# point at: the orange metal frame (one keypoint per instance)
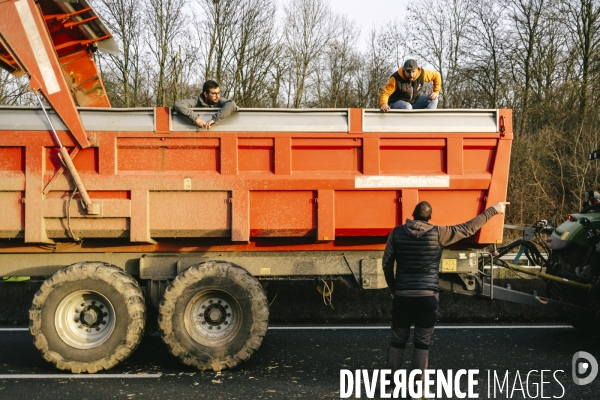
(254, 191)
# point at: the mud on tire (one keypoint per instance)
(87, 317)
(214, 315)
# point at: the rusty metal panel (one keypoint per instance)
(104, 228)
(256, 155)
(453, 206)
(340, 155)
(190, 214)
(168, 154)
(366, 212)
(12, 223)
(109, 208)
(412, 156)
(283, 213)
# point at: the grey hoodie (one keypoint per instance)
(183, 107)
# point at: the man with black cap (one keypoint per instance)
(405, 87)
(416, 250)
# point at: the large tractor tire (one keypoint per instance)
(214, 315)
(88, 317)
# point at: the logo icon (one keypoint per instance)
(584, 364)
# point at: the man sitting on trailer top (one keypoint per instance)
(209, 98)
(405, 87)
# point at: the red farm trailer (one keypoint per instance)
(153, 212)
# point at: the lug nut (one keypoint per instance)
(88, 330)
(226, 323)
(203, 322)
(218, 327)
(101, 306)
(219, 301)
(76, 319)
(226, 306)
(203, 306)
(103, 322)
(97, 329)
(210, 301)
(229, 314)
(94, 302)
(105, 314)
(210, 327)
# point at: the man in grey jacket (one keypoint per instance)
(209, 98)
(416, 250)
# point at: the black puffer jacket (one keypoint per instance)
(417, 253)
(416, 249)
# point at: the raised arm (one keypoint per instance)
(454, 233)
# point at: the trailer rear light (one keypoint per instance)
(572, 218)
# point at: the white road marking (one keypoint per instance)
(466, 327)
(365, 327)
(79, 376)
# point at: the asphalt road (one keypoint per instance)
(305, 363)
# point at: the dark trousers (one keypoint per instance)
(406, 311)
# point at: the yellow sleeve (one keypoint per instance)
(387, 91)
(435, 77)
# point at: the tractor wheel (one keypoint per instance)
(87, 317)
(214, 315)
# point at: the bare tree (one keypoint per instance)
(166, 24)
(438, 35)
(309, 25)
(14, 91)
(215, 32)
(582, 19)
(337, 70)
(528, 17)
(254, 52)
(378, 63)
(124, 20)
(486, 36)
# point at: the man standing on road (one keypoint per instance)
(404, 89)
(416, 249)
(210, 97)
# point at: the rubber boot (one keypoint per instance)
(394, 358)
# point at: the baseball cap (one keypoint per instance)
(409, 65)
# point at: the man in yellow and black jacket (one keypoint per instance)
(405, 87)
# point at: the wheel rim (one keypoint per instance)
(213, 317)
(85, 319)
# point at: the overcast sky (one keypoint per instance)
(368, 13)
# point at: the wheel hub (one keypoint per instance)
(84, 319)
(215, 314)
(213, 317)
